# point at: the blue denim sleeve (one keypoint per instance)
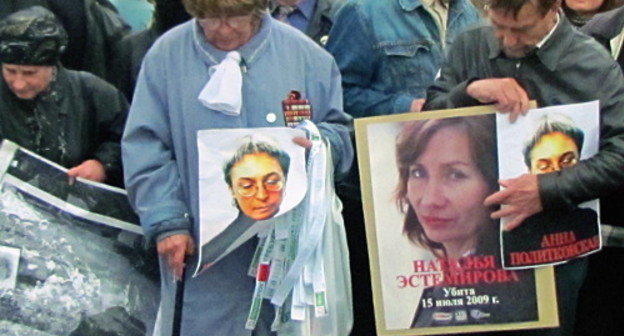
(352, 43)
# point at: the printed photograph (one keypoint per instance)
(83, 269)
(247, 178)
(553, 139)
(435, 250)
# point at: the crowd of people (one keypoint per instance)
(71, 67)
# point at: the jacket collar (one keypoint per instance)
(554, 49)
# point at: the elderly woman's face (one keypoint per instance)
(446, 189)
(27, 81)
(229, 33)
(258, 185)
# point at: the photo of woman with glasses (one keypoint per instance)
(256, 176)
(246, 182)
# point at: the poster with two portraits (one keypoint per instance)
(439, 263)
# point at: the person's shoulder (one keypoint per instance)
(469, 12)
(84, 76)
(374, 6)
(366, 9)
(332, 6)
(479, 32)
(605, 25)
(145, 36)
(582, 48)
(137, 42)
(295, 41)
(89, 82)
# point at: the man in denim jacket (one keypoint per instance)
(388, 53)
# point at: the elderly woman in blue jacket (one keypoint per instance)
(229, 67)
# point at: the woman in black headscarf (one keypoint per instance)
(72, 118)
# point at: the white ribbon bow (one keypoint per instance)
(223, 92)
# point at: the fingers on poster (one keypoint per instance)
(550, 140)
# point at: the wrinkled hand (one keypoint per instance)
(91, 170)
(417, 105)
(520, 197)
(303, 142)
(505, 93)
(174, 249)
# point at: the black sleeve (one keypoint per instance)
(111, 110)
(449, 89)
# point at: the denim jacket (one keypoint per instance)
(390, 51)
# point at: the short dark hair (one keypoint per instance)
(514, 6)
(412, 142)
(254, 147)
(551, 123)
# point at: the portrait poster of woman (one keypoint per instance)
(248, 178)
(434, 250)
(547, 141)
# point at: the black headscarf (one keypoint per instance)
(32, 36)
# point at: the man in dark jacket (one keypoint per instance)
(72, 118)
(600, 308)
(530, 51)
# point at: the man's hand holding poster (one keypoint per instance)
(547, 141)
(435, 252)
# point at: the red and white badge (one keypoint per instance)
(296, 109)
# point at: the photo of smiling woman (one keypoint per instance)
(447, 167)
